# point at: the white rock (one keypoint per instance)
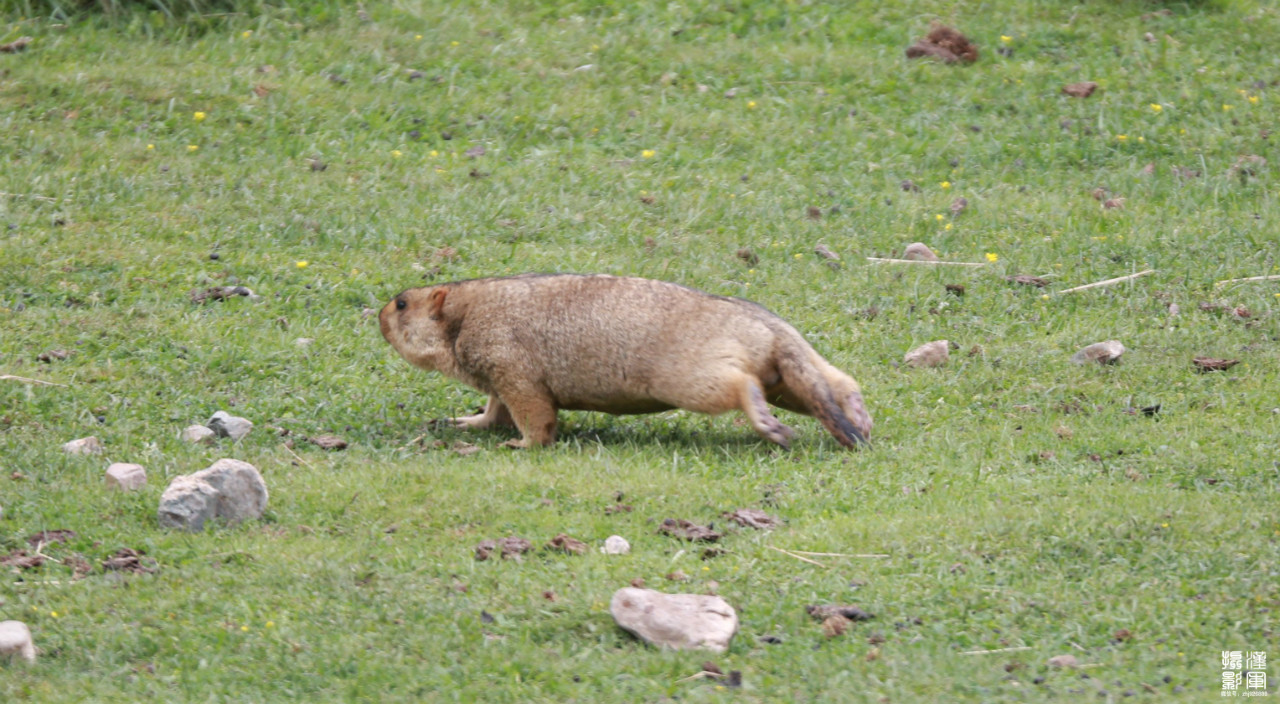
(229, 426)
(126, 477)
(680, 621)
(1064, 661)
(304, 341)
(1101, 352)
(84, 446)
(930, 354)
(919, 251)
(15, 639)
(229, 489)
(616, 545)
(199, 434)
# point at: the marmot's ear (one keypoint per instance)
(435, 302)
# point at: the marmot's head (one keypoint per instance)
(413, 323)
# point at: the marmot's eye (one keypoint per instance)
(400, 304)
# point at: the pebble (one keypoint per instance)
(1101, 352)
(84, 446)
(15, 639)
(229, 426)
(930, 354)
(126, 477)
(920, 252)
(199, 434)
(616, 545)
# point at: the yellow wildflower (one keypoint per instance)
(945, 185)
(1253, 99)
(1122, 137)
(247, 33)
(397, 153)
(199, 116)
(993, 257)
(1226, 107)
(453, 43)
(303, 264)
(192, 147)
(1006, 38)
(1156, 107)
(948, 226)
(417, 36)
(150, 147)
(245, 629)
(939, 217)
(648, 153)
(751, 103)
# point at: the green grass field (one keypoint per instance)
(328, 161)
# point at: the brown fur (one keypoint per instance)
(540, 343)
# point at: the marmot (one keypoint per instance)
(537, 343)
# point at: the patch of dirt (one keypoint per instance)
(1026, 280)
(567, 544)
(129, 560)
(510, 548)
(618, 508)
(688, 530)
(823, 612)
(218, 293)
(835, 625)
(958, 205)
(19, 559)
(328, 442)
(1212, 364)
(51, 355)
(945, 43)
(748, 256)
(49, 537)
(754, 518)
(13, 47)
(1082, 89)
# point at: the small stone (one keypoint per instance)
(15, 640)
(229, 489)
(679, 621)
(126, 477)
(304, 341)
(616, 545)
(1064, 661)
(919, 252)
(930, 354)
(229, 426)
(199, 434)
(1101, 352)
(84, 446)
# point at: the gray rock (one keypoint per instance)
(616, 545)
(229, 489)
(15, 640)
(84, 446)
(920, 252)
(229, 426)
(679, 621)
(126, 477)
(1101, 352)
(930, 354)
(199, 434)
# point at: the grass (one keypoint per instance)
(1020, 503)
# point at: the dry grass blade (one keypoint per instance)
(10, 377)
(883, 260)
(798, 557)
(1109, 282)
